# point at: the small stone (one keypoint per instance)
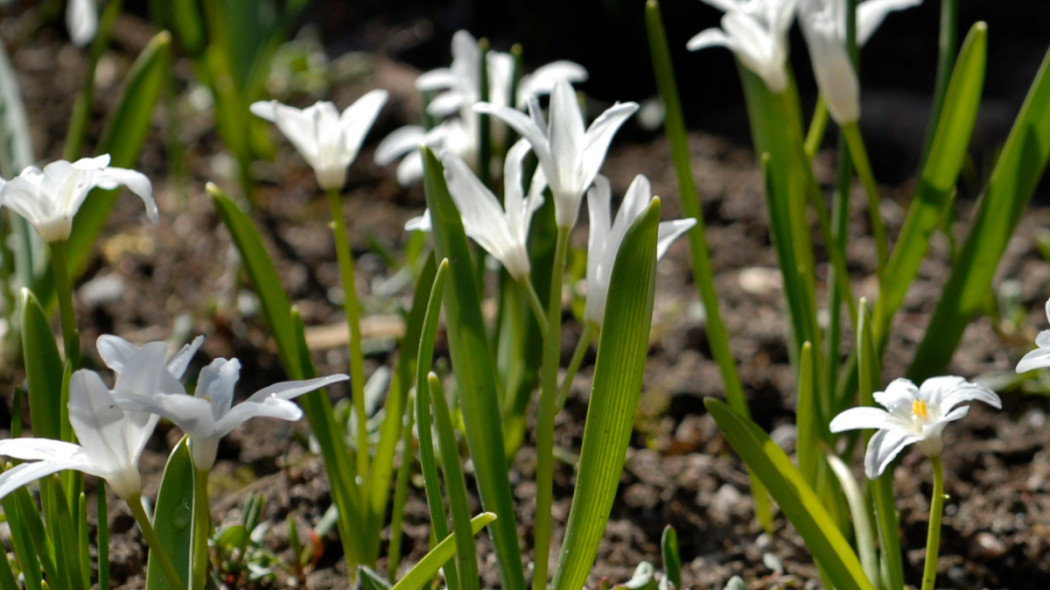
(727, 498)
(987, 546)
(102, 290)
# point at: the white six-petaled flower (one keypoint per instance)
(111, 438)
(501, 231)
(824, 26)
(209, 414)
(49, 199)
(327, 140)
(756, 31)
(570, 155)
(912, 415)
(1040, 357)
(606, 236)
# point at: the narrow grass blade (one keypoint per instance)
(858, 510)
(881, 487)
(798, 501)
(806, 420)
(122, 139)
(427, 460)
(22, 528)
(455, 486)
(44, 369)
(427, 567)
(173, 517)
(7, 577)
(622, 349)
(1017, 171)
(703, 273)
(40, 544)
(102, 540)
(937, 179)
(475, 372)
(371, 580)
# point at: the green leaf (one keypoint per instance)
(173, 517)
(44, 369)
(1016, 173)
(475, 372)
(671, 557)
(371, 580)
(62, 534)
(455, 486)
(22, 528)
(937, 180)
(436, 558)
(122, 139)
(796, 499)
(620, 363)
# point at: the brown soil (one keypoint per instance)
(150, 282)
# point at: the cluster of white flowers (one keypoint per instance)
(113, 425)
(756, 31)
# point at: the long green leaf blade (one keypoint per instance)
(798, 501)
(475, 372)
(438, 556)
(173, 517)
(622, 349)
(1020, 165)
(44, 369)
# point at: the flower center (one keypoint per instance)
(918, 407)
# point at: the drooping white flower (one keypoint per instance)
(569, 155)
(501, 231)
(606, 237)
(49, 199)
(1040, 357)
(912, 415)
(82, 21)
(824, 26)
(756, 31)
(209, 414)
(458, 88)
(327, 140)
(111, 437)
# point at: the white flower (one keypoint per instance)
(111, 438)
(49, 199)
(756, 31)
(569, 155)
(824, 26)
(458, 88)
(912, 415)
(605, 237)
(502, 233)
(209, 414)
(1040, 357)
(327, 140)
(82, 21)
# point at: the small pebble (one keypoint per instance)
(987, 546)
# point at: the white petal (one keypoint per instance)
(863, 417)
(20, 475)
(264, 109)
(669, 232)
(216, 384)
(114, 351)
(421, 223)
(948, 392)
(358, 118)
(298, 126)
(137, 182)
(400, 141)
(542, 81)
(481, 213)
(600, 134)
(98, 422)
(899, 393)
(42, 449)
(871, 13)
(269, 407)
(446, 104)
(293, 389)
(1035, 359)
(436, 79)
(567, 140)
(178, 363)
(82, 21)
(526, 127)
(883, 447)
(709, 38)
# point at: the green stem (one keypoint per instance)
(78, 122)
(859, 155)
(353, 323)
(545, 416)
(156, 547)
(534, 302)
(64, 294)
(590, 330)
(933, 537)
(201, 528)
(817, 125)
(946, 42)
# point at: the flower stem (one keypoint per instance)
(156, 547)
(859, 155)
(534, 303)
(64, 294)
(545, 416)
(352, 309)
(201, 528)
(590, 329)
(933, 537)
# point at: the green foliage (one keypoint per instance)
(173, 516)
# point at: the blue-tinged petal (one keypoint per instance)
(883, 447)
(178, 363)
(216, 384)
(292, 389)
(26, 473)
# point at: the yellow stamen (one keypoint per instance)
(918, 407)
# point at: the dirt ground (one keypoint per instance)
(177, 280)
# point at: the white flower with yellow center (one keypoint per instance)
(912, 415)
